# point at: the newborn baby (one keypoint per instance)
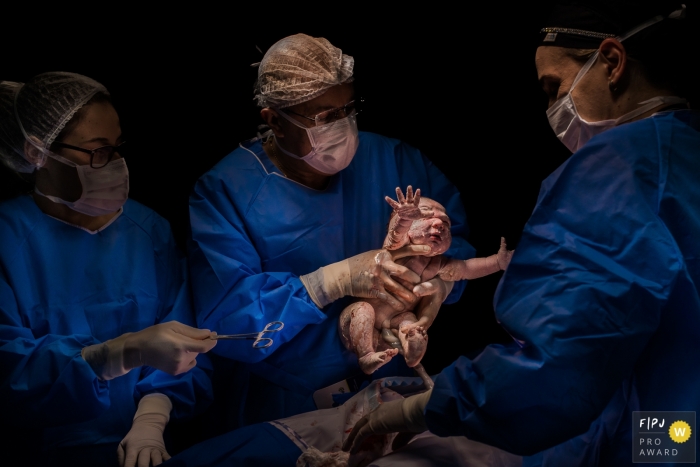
(368, 326)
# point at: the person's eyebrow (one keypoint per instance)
(319, 109)
(100, 139)
(323, 108)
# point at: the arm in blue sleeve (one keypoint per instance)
(45, 381)
(583, 295)
(232, 294)
(438, 187)
(190, 392)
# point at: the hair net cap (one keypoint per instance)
(41, 108)
(299, 68)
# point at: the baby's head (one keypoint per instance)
(434, 230)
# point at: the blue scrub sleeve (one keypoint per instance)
(583, 295)
(43, 380)
(190, 392)
(232, 294)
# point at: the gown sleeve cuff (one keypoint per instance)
(447, 410)
(313, 284)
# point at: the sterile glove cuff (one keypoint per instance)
(329, 283)
(313, 282)
(154, 403)
(106, 359)
(413, 409)
(337, 280)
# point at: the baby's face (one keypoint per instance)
(433, 231)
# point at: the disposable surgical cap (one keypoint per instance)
(41, 108)
(299, 68)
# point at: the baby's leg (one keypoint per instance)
(358, 334)
(429, 305)
(414, 338)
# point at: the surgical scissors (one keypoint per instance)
(260, 341)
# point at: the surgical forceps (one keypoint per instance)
(260, 341)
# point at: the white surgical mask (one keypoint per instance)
(105, 190)
(333, 145)
(574, 131)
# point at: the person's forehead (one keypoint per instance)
(100, 123)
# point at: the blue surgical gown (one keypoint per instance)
(62, 289)
(602, 299)
(254, 232)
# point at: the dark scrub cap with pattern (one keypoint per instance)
(585, 24)
(38, 111)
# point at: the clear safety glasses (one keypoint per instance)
(328, 116)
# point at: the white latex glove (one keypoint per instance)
(367, 275)
(398, 416)
(171, 347)
(143, 445)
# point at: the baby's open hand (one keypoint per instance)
(407, 207)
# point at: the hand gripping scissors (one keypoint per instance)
(260, 341)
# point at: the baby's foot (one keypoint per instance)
(414, 340)
(418, 326)
(374, 360)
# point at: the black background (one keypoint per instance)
(460, 85)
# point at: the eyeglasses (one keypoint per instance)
(99, 157)
(328, 116)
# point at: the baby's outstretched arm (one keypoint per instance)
(459, 269)
(406, 211)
